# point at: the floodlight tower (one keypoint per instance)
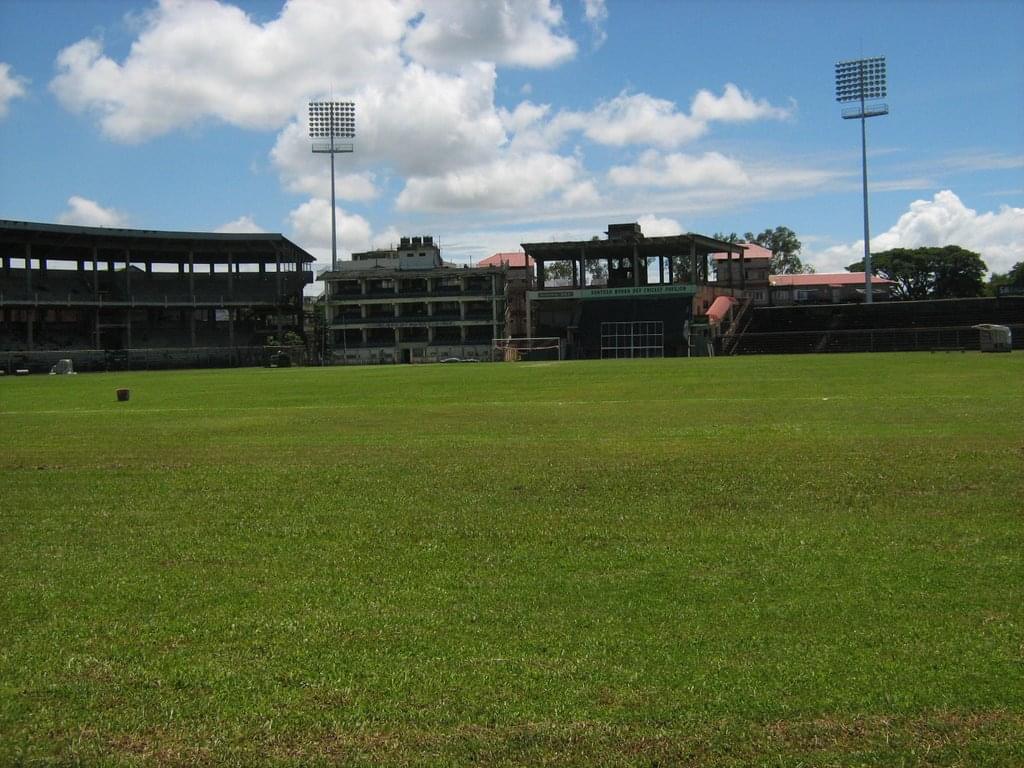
(332, 120)
(861, 80)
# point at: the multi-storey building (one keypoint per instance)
(747, 271)
(408, 305)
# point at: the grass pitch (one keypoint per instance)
(748, 561)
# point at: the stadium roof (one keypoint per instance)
(825, 278)
(68, 242)
(672, 245)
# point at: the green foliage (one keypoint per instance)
(929, 273)
(782, 242)
(1014, 277)
(288, 339)
(732, 237)
(728, 562)
(785, 248)
(562, 270)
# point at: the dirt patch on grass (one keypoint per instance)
(929, 734)
(937, 739)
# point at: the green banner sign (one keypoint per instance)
(641, 292)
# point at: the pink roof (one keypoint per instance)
(719, 308)
(750, 251)
(511, 259)
(825, 278)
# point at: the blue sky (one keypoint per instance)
(491, 124)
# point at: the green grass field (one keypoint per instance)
(779, 561)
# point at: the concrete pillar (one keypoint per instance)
(28, 268)
(636, 266)
(30, 328)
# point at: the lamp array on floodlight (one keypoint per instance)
(863, 81)
(332, 120)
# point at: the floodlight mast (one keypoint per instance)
(332, 120)
(860, 80)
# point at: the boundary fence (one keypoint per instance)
(868, 340)
(91, 360)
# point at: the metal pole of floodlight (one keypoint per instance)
(332, 120)
(863, 80)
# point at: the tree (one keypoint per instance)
(948, 272)
(732, 237)
(1014, 277)
(562, 270)
(785, 248)
(782, 242)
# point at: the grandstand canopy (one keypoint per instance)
(649, 247)
(62, 242)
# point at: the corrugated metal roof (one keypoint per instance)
(750, 251)
(825, 279)
(508, 258)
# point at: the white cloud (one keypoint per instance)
(513, 32)
(508, 182)
(311, 229)
(241, 224)
(386, 239)
(632, 119)
(640, 118)
(581, 194)
(421, 123)
(11, 87)
(205, 59)
(944, 220)
(88, 213)
(732, 106)
(680, 170)
(595, 12)
(653, 226)
(197, 59)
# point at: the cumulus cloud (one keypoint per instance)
(639, 118)
(944, 220)
(88, 213)
(680, 170)
(311, 229)
(636, 118)
(733, 105)
(11, 87)
(653, 226)
(508, 182)
(514, 32)
(204, 59)
(422, 123)
(241, 224)
(197, 59)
